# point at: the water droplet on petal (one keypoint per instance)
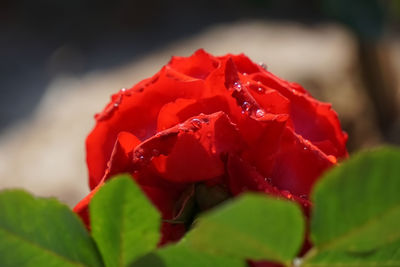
(287, 194)
(237, 86)
(139, 154)
(125, 91)
(209, 135)
(263, 65)
(268, 180)
(305, 148)
(245, 106)
(303, 196)
(196, 123)
(116, 104)
(245, 73)
(213, 150)
(260, 113)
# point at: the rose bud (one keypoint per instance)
(204, 129)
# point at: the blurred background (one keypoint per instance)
(61, 60)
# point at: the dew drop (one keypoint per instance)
(303, 196)
(268, 180)
(263, 65)
(244, 73)
(196, 123)
(237, 86)
(305, 148)
(116, 104)
(287, 194)
(245, 106)
(125, 91)
(260, 113)
(139, 154)
(260, 90)
(209, 135)
(213, 150)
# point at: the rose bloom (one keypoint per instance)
(206, 128)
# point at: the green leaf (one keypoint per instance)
(42, 232)
(251, 227)
(125, 225)
(357, 205)
(388, 255)
(182, 256)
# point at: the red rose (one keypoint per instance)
(206, 128)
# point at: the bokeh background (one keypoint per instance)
(61, 60)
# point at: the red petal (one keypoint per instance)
(243, 63)
(200, 143)
(298, 164)
(135, 111)
(199, 65)
(244, 177)
(180, 110)
(312, 119)
(247, 113)
(317, 122)
(82, 208)
(171, 233)
(163, 198)
(120, 160)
